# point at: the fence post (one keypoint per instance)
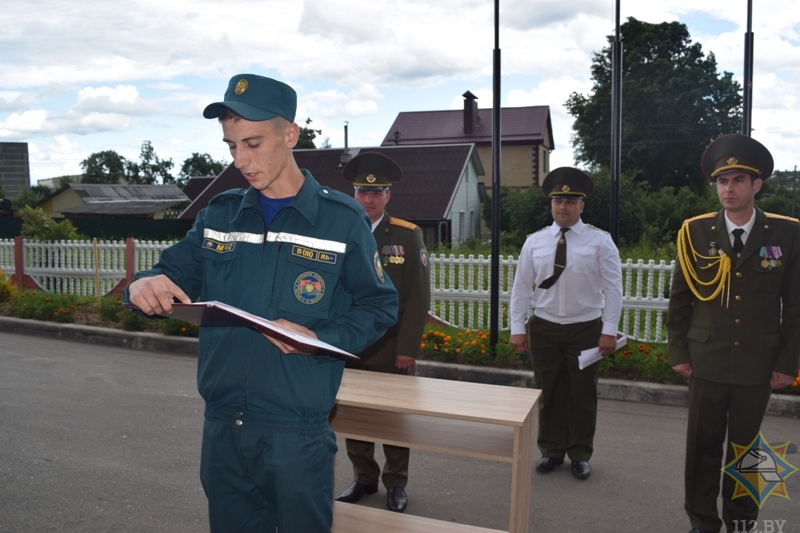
(19, 263)
(130, 259)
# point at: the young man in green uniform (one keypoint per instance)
(734, 324)
(405, 260)
(288, 250)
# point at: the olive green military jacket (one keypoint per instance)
(740, 336)
(404, 258)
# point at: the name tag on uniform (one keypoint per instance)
(314, 255)
(219, 247)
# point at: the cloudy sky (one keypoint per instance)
(78, 77)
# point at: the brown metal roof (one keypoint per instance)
(519, 125)
(121, 209)
(431, 175)
(196, 185)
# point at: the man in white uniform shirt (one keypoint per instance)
(577, 301)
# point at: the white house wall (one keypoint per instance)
(466, 203)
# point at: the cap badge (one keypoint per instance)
(732, 161)
(565, 188)
(371, 178)
(241, 86)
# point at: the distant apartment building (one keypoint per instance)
(15, 173)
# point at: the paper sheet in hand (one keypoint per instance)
(592, 355)
(213, 313)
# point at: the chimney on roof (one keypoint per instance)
(470, 113)
(396, 137)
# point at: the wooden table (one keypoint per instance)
(469, 419)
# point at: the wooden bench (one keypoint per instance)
(468, 419)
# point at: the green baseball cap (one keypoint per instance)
(255, 97)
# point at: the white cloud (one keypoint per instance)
(175, 142)
(18, 124)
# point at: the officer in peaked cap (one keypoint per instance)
(733, 324)
(405, 259)
(577, 303)
(736, 153)
(291, 250)
(567, 182)
(371, 171)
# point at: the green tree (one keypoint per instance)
(36, 224)
(307, 136)
(673, 104)
(150, 168)
(199, 165)
(103, 167)
(31, 195)
(2, 192)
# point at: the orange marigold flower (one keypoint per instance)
(422, 345)
(483, 352)
(183, 330)
(458, 350)
(446, 350)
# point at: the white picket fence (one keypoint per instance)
(460, 293)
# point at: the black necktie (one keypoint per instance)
(560, 263)
(738, 245)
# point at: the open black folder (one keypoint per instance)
(215, 313)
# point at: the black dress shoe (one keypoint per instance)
(547, 464)
(396, 499)
(581, 469)
(354, 492)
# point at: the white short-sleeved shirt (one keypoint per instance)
(590, 286)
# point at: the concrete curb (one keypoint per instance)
(610, 389)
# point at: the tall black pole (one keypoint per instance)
(616, 131)
(494, 281)
(747, 96)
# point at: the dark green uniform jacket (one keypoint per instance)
(316, 266)
(740, 339)
(404, 257)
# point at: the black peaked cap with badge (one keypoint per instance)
(567, 182)
(736, 153)
(371, 171)
(255, 98)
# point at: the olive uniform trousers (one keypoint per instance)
(362, 453)
(568, 404)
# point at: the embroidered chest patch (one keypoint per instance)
(309, 287)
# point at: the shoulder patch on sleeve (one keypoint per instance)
(781, 217)
(402, 223)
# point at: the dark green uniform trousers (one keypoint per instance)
(568, 404)
(362, 453)
(713, 409)
(259, 480)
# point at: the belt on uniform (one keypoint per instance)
(264, 422)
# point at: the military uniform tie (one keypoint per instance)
(738, 245)
(560, 262)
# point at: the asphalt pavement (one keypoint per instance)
(98, 439)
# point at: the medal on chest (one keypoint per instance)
(770, 257)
